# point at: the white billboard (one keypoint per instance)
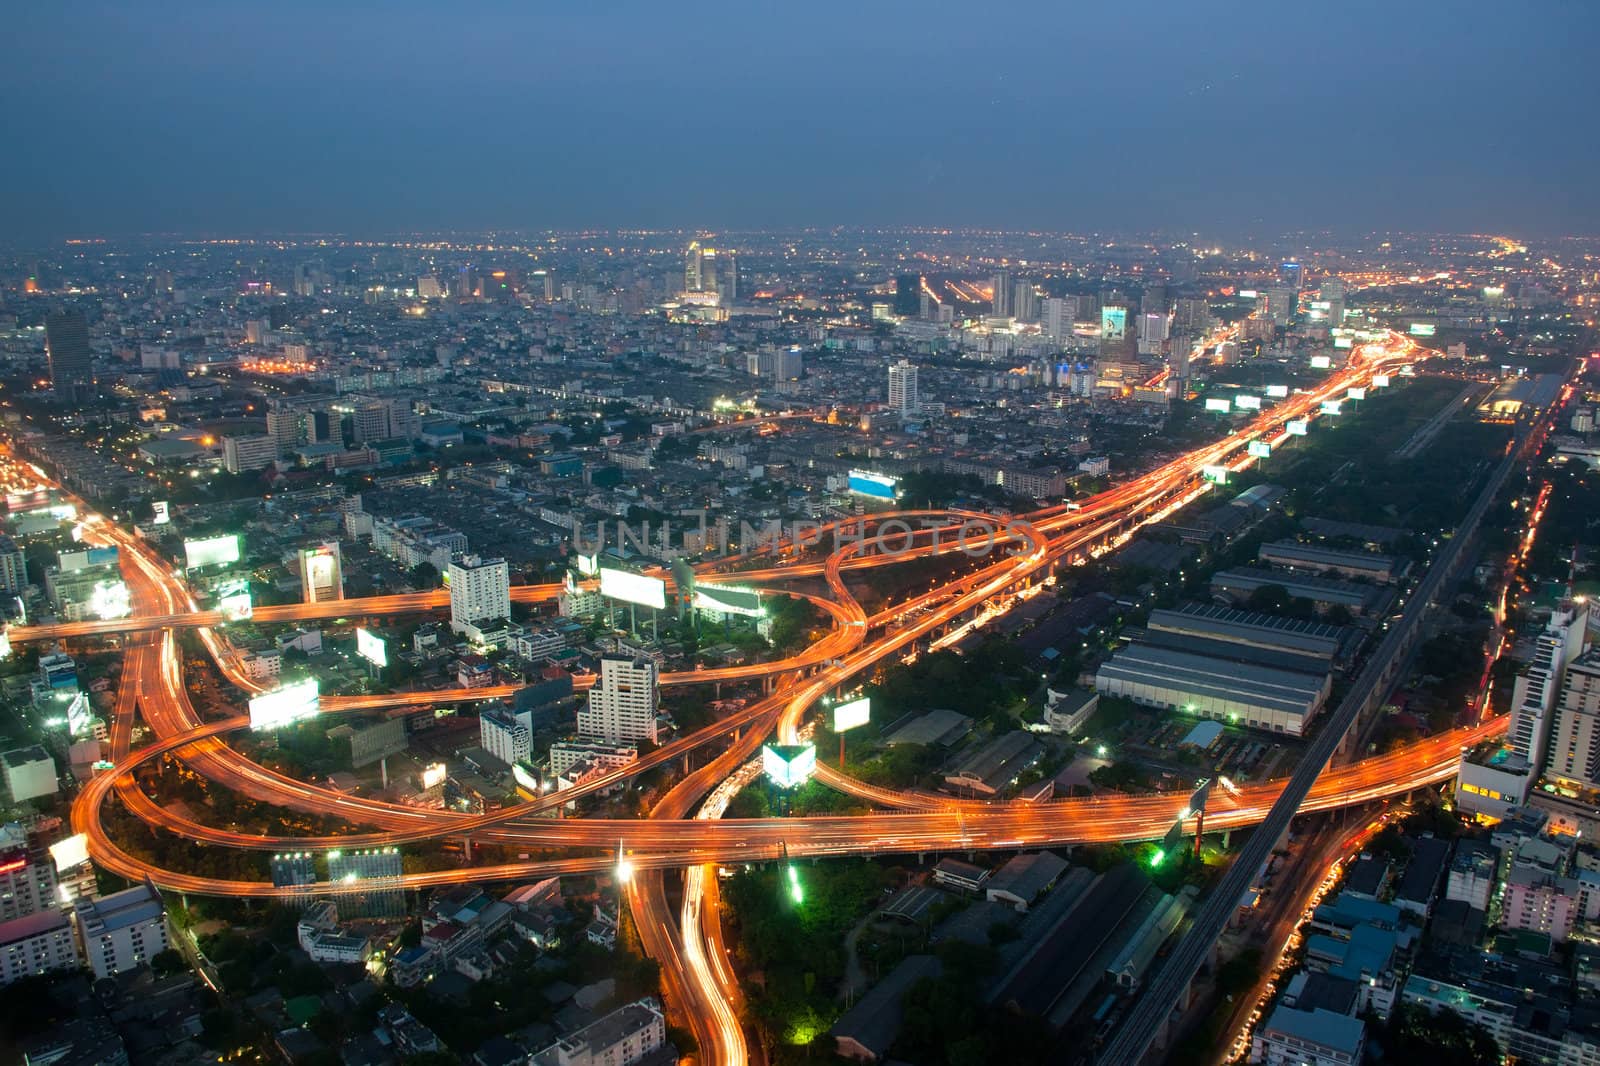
(588, 565)
(284, 706)
(110, 599)
(233, 599)
(1296, 428)
(852, 714)
(1217, 475)
(1277, 392)
(1247, 403)
(433, 775)
(372, 648)
(1332, 407)
(1321, 362)
(163, 514)
(628, 587)
(1380, 381)
(71, 852)
(1356, 394)
(211, 550)
(1259, 449)
(1219, 405)
(789, 765)
(80, 718)
(718, 599)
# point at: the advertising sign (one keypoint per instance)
(433, 775)
(1247, 403)
(1296, 428)
(1217, 475)
(628, 587)
(71, 852)
(1259, 449)
(80, 720)
(852, 714)
(110, 599)
(1321, 362)
(1421, 329)
(1356, 394)
(588, 565)
(210, 551)
(878, 486)
(1277, 392)
(1331, 407)
(284, 706)
(722, 600)
(162, 514)
(1380, 381)
(1219, 405)
(1113, 323)
(372, 648)
(233, 599)
(789, 765)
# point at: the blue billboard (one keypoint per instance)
(878, 486)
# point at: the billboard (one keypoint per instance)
(210, 551)
(1259, 449)
(1219, 405)
(1277, 392)
(1331, 407)
(433, 775)
(1421, 329)
(80, 719)
(1343, 342)
(284, 706)
(1247, 403)
(852, 714)
(1217, 475)
(110, 599)
(233, 599)
(1296, 428)
(588, 565)
(372, 648)
(723, 600)
(1321, 362)
(521, 773)
(1113, 323)
(163, 514)
(1380, 381)
(789, 765)
(1248, 294)
(628, 587)
(878, 486)
(73, 851)
(1356, 394)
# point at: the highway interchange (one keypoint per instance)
(699, 984)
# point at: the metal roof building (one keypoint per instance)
(1263, 697)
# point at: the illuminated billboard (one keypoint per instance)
(1113, 323)
(1296, 428)
(1277, 392)
(1343, 342)
(628, 587)
(789, 765)
(1380, 381)
(718, 599)
(878, 486)
(1356, 394)
(372, 648)
(1248, 294)
(80, 719)
(1219, 405)
(71, 852)
(284, 706)
(1247, 403)
(210, 551)
(1331, 407)
(1217, 475)
(588, 565)
(1259, 449)
(852, 714)
(162, 514)
(433, 775)
(1321, 362)
(110, 599)
(1421, 329)
(233, 599)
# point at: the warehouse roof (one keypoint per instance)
(1227, 623)
(1287, 691)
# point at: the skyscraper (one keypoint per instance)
(622, 705)
(1533, 694)
(692, 263)
(1575, 740)
(1024, 302)
(1291, 275)
(66, 340)
(903, 387)
(1001, 301)
(908, 295)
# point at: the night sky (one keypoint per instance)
(1229, 119)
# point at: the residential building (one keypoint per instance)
(623, 703)
(903, 387)
(37, 944)
(505, 735)
(30, 773)
(1575, 736)
(121, 931)
(627, 1035)
(480, 589)
(66, 341)
(1293, 1037)
(27, 873)
(251, 452)
(1534, 693)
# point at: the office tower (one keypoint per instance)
(903, 387)
(693, 262)
(1152, 333)
(1575, 738)
(1279, 304)
(1024, 302)
(1333, 291)
(1178, 362)
(256, 330)
(622, 705)
(480, 590)
(321, 573)
(1001, 301)
(122, 931)
(1533, 695)
(789, 364)
(1291, 275)
(13, 566)
(287, 428)
(1154, 300)
(728, 277)
(1192, 316)
(66, 340)
(505, 734)
(253, 451)
(428, 287)
(908, 295)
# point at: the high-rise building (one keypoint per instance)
(903, 387)
(1575, 738)
(1153, 301)
(27, 874)
(1333, 291)
(1059, 314)
(38, 944)
(480, 590)
(321, 573)
(119, 932)
(693, 263)
(1000, 302)
(1024, 302)
(908, 295)
(13, 566)
(254, 451)
(66, 340)
(1291, 275)
(506, 734)
(622, 704)
(1533, 695)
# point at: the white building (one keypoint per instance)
(567, 753)
(1318, 1037)
(903, 387)
(255, 451)
(580, 603)
(1533, 696)
(29, 887)
(29, 773)
(121, 931)
(1575, 738)
(506, 735)
(622, 705)
(623, 1037)
(262, 665)
(479, 589)
(37, 944)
